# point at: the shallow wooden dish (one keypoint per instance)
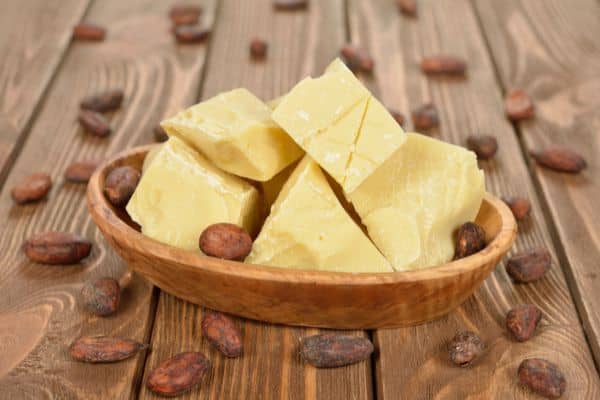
(320, 299)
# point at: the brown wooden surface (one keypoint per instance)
(414, 361)
(558, 64)
(34, 35)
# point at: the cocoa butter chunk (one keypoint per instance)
(334, 350)
(443, 64)
(518, 105)
(542, 377)
(529, 266)
(80, 171)
(57, 248)
(222, 333)
(226, 241)
(178, 374)
(94, 122)
(120, 183)
(425, 117)
(522, 321)
(31, 188)
(102, 296)
(103, 349)
(109, 100)
(560, 158)
(465, 348)
(89, 32)
(470, 239)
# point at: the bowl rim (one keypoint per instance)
(102, 211)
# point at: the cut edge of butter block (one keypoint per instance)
(150, 155)
(309, 229)
(181, 193)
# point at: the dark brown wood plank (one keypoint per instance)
(300, 43)
(34, 36)
(413, 362)
(40, 314)
(558, 64)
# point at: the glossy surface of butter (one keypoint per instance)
(340, 125)
(309, 229)
(181, 193)
(235, 131)
(415, 201)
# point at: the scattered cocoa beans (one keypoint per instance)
(120, 183)
(520, 207)
(94, 123)
(160, 135)
(178, 374)
(190, 34)
(290, 5)
(560, 158)
(518, 105)
(104, 349)
(109, 100)
(31, 188)
(331, 350)
(407, 7)
(80, 171)
(470, 238)
(425, 117)
(102, 296)
(90, 32)
(398, 116)
(258, 49)
(226, 241)
(484, 146)
(522, 321)
(222, 333)
(529, 266)
(357, 59)
(542, 377)
(465, 348)
(185, 14)
(443, 64)
(59, 248)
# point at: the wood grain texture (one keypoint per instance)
(300, 43)
(413, 362)
(551, 49)
(40, 314)
(34, 35)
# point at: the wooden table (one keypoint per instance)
(548, 47)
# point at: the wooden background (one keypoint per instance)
(548, 47)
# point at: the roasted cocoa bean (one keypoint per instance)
(178, 374)
(185, 14)
(407, 7)
(331, 350)
(520, 207)
(522, 320)
(470, 238)
(425, 117)
(57, 248)
(560, 158)
(290, 5)
(160, 135)
(120, 183)
(102, 296)
(86, 31)
(518, 105)
(94, 123)
(398, 116)
(258, 49)
(484, 146)
(103, 102)
(529, 265)
(226, 241)
(190, 34)
(104, 349)
(80, 171)
(443, 64)
(357, 59)
(465, 348)
(542, 377)
(31, 188)
(222, 333)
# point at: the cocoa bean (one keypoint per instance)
(31, 188)
(258, 49)
(160, 135)
(484, 146)
(222, 333)
(470, 238)
(57, 248)
(529, 265)
(226, 241)
(443, 64)
(398, 116)
(185, 14)
(357, 59)
(522, 320)
(80, 171)
(103, 102)
(94, 123)
(178, 374)
(104, 349)
(290, 5)
(407, 7)
(86, 31)
(520, 207)
(560, 158)
(331, 350)
(518, 105)
(102, 296)
(190, 34)
(542, 377)
(425, 117)
(465, 348)
(120, 183)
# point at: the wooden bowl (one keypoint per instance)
(310, 298)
